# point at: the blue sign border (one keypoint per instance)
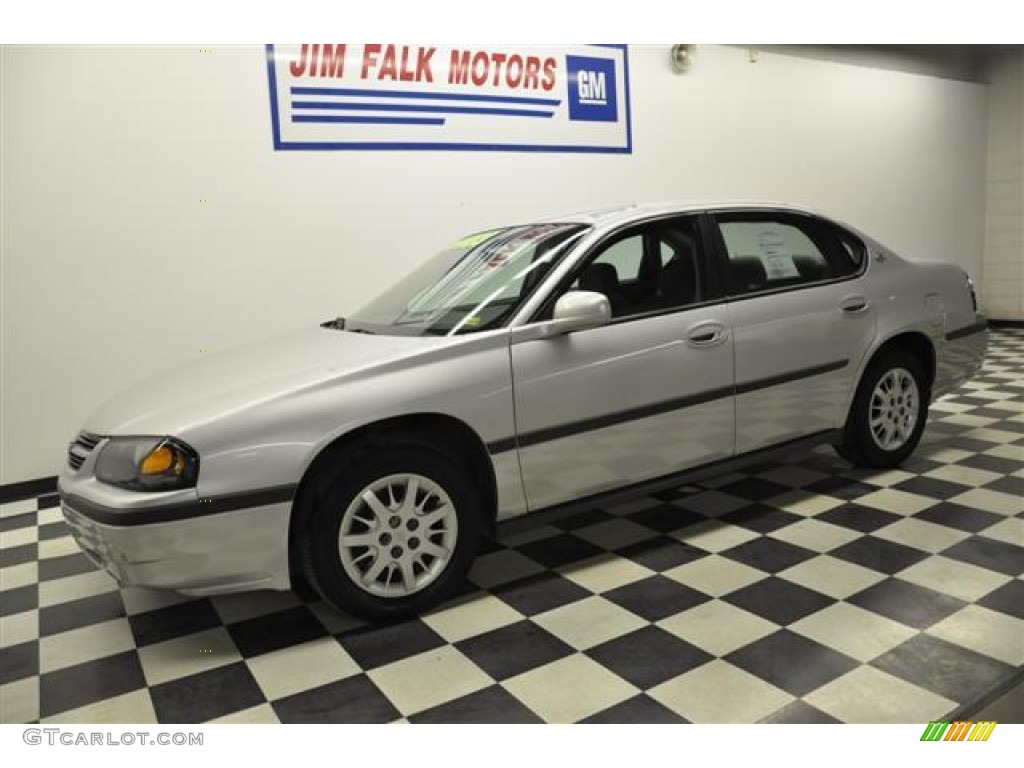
(384, 145)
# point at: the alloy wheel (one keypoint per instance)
(893, 410)
(397, 535)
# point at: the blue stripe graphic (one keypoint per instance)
(368, 120)
(362, 106)
(308, 91)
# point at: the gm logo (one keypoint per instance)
(592, 91)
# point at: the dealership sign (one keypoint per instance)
(500, 98)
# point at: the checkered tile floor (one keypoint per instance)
(803, 591)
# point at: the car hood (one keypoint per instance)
(228, 382)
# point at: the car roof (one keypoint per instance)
(625, 213)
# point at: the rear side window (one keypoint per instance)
(851, 251)
(768, 252)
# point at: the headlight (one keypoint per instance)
(147, 464)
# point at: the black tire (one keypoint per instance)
(335, 488)
(859, 445)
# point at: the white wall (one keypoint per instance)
(1003, 271)
(113, 269)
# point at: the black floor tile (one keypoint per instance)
(964, 399)
(18, 600)
(800, 713)
(907, 603)
(656, 597)
(49, 501)
(778, 600)
(493, 705)
(19, 661)
(206, 695)
(16, 522)
(990, 463)
(755, 489)
(639, 710)
(994, 413)
(967, 443)
(879, 555)
(858, 518)
(376, 645)
(68, 565)
(1011, 485)
(761, 518)
(507, 651)
(919, 464)
(556, 551)
(648, 657)
(989, 553)
(949, 670)
(75, 614)
(55, 530)
(671, 494)
(841, 487)
(661, 553)
(791, 662)
(88, 683)
(767, 554)
(666, 518)
(353, 700)
(274, 631)
(173, 621)
(947, 430)
(960, 517)
(540, 592)
(25, 553)
(582, 519)
(931, 487)
(1008, 599)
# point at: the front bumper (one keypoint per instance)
(214, 553)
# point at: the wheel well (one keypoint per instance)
(434, 430)
(916, 344)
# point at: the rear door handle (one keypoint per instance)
(706, 334)
(853, 305)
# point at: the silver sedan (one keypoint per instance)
(525, 368)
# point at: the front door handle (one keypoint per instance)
(706, 334)
(854, 305)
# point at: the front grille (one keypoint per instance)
(80, 449)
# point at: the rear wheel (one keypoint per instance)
(889, 412)
(392, 531)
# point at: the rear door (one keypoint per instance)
(800, 319)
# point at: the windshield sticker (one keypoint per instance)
(471, 241)
(776, 257)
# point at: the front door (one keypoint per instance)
(645, 396)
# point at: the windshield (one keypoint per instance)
(475, 285)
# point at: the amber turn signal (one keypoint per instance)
(158, 461)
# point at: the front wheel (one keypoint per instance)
(392, 532)
(888, 414)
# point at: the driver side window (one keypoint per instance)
(654, 267)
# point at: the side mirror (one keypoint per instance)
(578, 310)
